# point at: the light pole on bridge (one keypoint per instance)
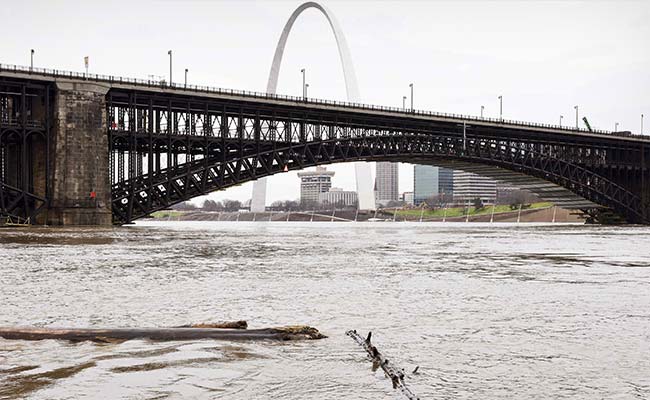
(404, 103)
(501, 108)
(482, 109)
(411, 86)
(306, 87)
(31, 62)
(304, 92)
(170, 67)
(561, 116)
(642, 124)
(186, 77)
(616, 127)
(576, 108)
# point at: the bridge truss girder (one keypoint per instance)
(166, 149)
(25, 136)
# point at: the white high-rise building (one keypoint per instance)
(338, 197)
(469, 186)
(313, 183)
(407, 197)
(387, 182)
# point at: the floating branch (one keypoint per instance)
(395, 374)
(222, 325)
(164, 334)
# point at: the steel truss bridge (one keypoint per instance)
(169, 144)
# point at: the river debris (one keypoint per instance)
(393, 372)
(220, 324)
(160, 334)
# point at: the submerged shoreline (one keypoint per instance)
(536, 215)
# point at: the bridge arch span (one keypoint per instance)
(362, 171)
(586, 188)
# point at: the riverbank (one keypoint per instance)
(537, 212)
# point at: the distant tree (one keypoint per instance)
(432, 201)
(514, 197)
(309, 205)
(395, 203)
(478, 203)
(286, 205)
(211, 205)
(184, 206)
(291, 205)
(231, 205)
(446, 198)
(277, 205)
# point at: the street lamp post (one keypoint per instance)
(31, 62)
(576, 108)
(404, 103)
(482, 108)
(306, 87)
(170, 67)
(642, 124)
(616, 127)
(501, 108)
(411, 86)
(561, 116)
(186, 77)
(304, 94)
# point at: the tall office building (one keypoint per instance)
(313, 183)
(446, 182)
(469, 186)
(387, 182)
(425, 183)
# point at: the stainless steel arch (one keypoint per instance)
(362, 170)
(349, 75)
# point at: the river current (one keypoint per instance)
(487, 311)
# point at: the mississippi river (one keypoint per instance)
(487, 311)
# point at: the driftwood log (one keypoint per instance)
(162, 334)
(394, 373)
(222, 325)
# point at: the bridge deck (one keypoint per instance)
(207, 92)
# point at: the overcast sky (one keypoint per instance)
(544, 57)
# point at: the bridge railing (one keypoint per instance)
(56, 73)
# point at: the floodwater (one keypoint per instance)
(486, 311)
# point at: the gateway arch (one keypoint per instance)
(363, 175)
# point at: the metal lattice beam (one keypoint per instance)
(202, 145)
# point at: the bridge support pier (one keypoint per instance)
(81, 192)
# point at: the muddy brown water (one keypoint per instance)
(486, 311)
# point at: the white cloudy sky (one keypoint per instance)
(544, 57)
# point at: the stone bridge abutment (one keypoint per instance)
(81, 192)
